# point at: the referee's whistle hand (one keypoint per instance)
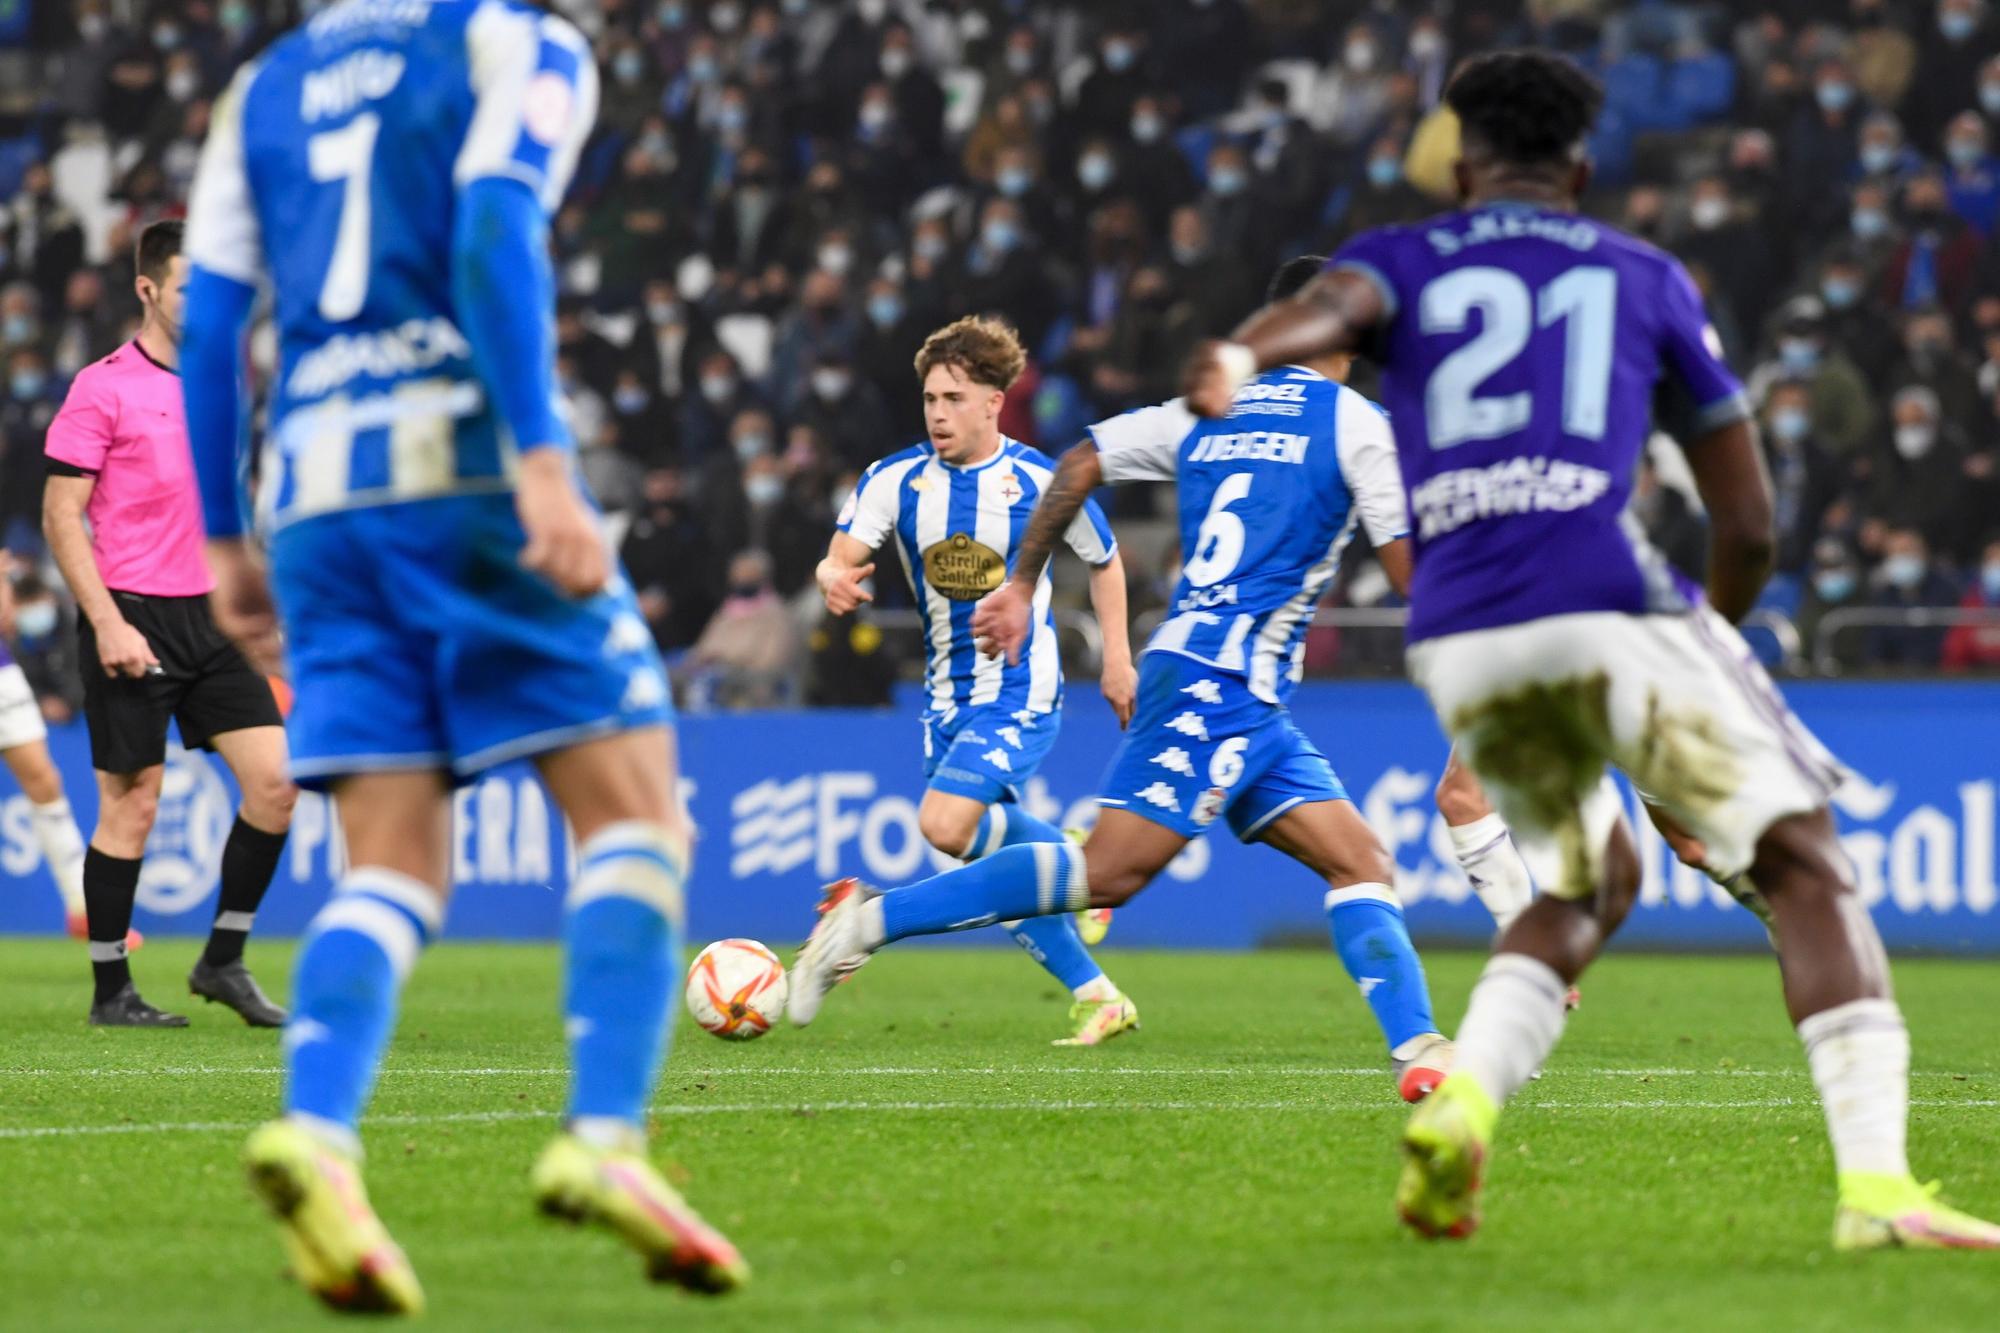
(125, 652)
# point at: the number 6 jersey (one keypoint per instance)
(1269, 496)
(1521, 348)
(346, 145)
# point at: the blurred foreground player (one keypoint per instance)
(150, 652)
(447, 596)
(1521, 344)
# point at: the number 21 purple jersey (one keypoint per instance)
(1521, 349)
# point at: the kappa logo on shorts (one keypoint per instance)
(628, 634)
(1011, 735)
(644, 689)
(1162, 795)
(1190, 724)
(1024, 716)
(1208, 805)
(1204, 691)
(998, 758)
(1175, 760)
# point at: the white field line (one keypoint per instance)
(1043, 1107)
(912, 1071)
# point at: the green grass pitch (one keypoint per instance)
(922, 1159)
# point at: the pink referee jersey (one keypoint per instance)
(123, 422)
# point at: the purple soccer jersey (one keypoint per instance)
(1521, 349)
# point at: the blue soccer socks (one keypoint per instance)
(1374, 945)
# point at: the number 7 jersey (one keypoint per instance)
(1269, 496)
(1521, 348)
(345, 146)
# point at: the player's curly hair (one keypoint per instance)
(984, 350)
(1524, 106)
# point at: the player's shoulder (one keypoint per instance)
(1028, 455)
(108, 369)
(899, 463)
(1635, 251)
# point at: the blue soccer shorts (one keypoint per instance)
(986, 752)
(416, 641)
(1201, 745)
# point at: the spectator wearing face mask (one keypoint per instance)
(670, 561)
(40, 236)
(1972, 173)
(1833, 583)
(1731, 245)
(720, 396)
(918, 99)
(751, 651)
(1804, 481)
(1852, 324)
(1352, 92)
(1917, 473)
(1154, 170)
(1821, 141)
(1118, 78)
(45, 647)
(1936, 261)
(1843, 410)
(1872, 233)
(1989, 92)
(821, 325)
(889, 329)
(1882, 154)
(882, 158)
(1929, 359)
(645, 427)
(1961, 36)
(1004, 271)
(1976, 647)
(26, 409)
(847, 413)
(1907, 579)
(1382, 197)
(1233, 204)
(1018, 178)
(1217, 285)
(1004, 125)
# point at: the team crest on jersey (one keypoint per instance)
(545, 107)
(962, 569)
(1010, 487)
(1208, 805)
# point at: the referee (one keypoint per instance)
(118, 454)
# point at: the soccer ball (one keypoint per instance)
(736, 989)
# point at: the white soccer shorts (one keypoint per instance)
(1678, 702)
(20, 716)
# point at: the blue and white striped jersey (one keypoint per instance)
(957, 529)
(1268, 497)
(346, 144)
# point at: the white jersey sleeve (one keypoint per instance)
(1143, 444)
(872, 512)
(534, 84)
(1367, 450)
(223, 235)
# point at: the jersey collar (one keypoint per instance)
(140, 348)
(998, 454)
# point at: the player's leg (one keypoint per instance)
(1330, 838)
(24, 746)
(1485, 850)
(257, 756)
(127, 803)
(346, 985)
(1121, 856)
(622, 940)
(60, 839)
(968, 814)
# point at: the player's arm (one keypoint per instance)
(1332, 313)
(225, 250)
(1729, 473)
(1397, 563)
(1722, 449)
(1118, 678)
(1366, 448)
(1000, 624)
(535, 91)
(847, 566)
(122, 649)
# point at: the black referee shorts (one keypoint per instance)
(204, 684)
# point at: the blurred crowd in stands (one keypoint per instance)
(783, 196)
